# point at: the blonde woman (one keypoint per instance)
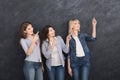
(79, 54)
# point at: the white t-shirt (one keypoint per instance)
(79, 48)
(55, 57)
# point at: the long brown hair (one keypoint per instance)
(23, 27)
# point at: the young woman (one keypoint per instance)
(52, 48)
(30, 43)
(79, 54)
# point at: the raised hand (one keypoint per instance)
(36, 37)
(94, 22)
(68, 38)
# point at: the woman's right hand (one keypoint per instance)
(36, 37)
(70, 71)
(54, 43)
(68, 38)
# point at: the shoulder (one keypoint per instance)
(44, 42)
(22, 39)
(59, 37)
(81, 34)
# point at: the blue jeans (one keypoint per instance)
(33, 70)
(56, 73)
(81, 72)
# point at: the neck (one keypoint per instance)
(75, 33)
(29, 36)
(51, 38)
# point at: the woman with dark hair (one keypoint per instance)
(52, 48)
(79, 54)
(30, 43)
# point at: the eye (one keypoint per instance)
(75, 23)
(29, 28)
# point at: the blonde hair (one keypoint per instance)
(71, 25)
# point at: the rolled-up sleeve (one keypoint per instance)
(68, 56)
(89, 38)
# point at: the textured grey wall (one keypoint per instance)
(105, 51)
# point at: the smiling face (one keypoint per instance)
(29, 30)
(76, 25)
(51, 32)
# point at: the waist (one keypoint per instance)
(79, 59)
(33, 59)
(32, 64)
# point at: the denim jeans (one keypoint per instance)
(56, 73)
(33, 70)
(81, 72)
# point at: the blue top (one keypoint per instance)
(35, 56)
(74, 60)
(60, 47)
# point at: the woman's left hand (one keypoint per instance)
(94, 22)
(68, 38)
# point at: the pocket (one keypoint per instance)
(87, 63)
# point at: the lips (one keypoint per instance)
(31, 32)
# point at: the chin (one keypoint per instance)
(53, 35)
(32, 34)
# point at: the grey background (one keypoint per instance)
(105, 61)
